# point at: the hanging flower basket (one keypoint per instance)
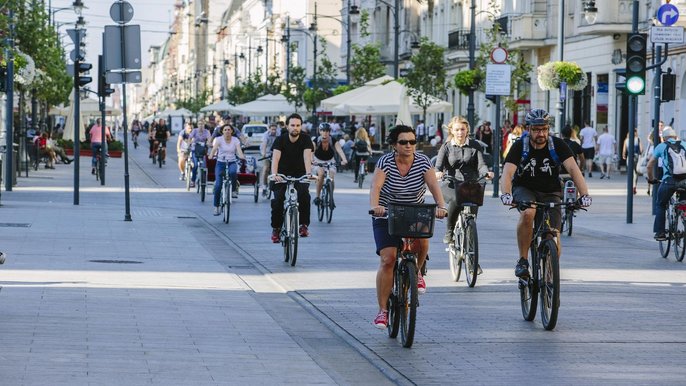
(551, 74)
(467, 80)
(25, 75)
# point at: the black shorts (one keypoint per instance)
(381, 236)
(589, 153)
(520, 193)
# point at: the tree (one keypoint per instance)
(195, 103)
(427, 80)
(295, 89)
(324, 80)
(365, 63)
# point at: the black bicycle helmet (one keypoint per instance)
(324, 127)
(537, 117)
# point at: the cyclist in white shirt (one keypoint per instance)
(227, 149)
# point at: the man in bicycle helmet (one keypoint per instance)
(532, 173)
(325, 149)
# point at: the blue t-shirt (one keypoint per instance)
(660, 153)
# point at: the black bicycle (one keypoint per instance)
(544, 266)
(463, 251)
(409, 221)
(291, 217)
(570, 195)
(325, 205)
(676, 227)
(201, 173)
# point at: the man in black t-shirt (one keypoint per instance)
(531, 173)
(292, 157)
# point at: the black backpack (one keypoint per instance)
(361, 146)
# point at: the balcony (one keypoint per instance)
(527, 30)
(459, 39)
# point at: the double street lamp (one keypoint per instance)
(77, 6)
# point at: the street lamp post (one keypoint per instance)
(9, 134)
(472, 49)
(561, 103)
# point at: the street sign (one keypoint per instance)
(667, 14)
(121, 12)
(112, 47)
(666, 34)
(73, 55)
(498, 79)
(124, 77)
(74, 33)
(499, 55)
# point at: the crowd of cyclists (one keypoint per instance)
(531, 172)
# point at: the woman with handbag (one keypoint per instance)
(638, 150)
(463, 159)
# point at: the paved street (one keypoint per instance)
(176, 297)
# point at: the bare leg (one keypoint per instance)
(384, 276)
(525, 231)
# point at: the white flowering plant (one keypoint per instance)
(551, 74)
(25, 74)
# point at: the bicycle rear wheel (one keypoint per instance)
(97, 169)
(187, 174)
(159, 157)
(550, 284)
(471, 252)
(256, 188)
(293, 236)
(408, 298)
(455, 255)
(528, 290)
(360, 177)
(665, 244)
(329, 202)
(680, 237)
(226, 201)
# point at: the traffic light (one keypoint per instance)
(636, 44)
(84, 80)
(104, 89)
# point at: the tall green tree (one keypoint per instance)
(427, 80)
(296, 87)
(324, 80)
(195, 103)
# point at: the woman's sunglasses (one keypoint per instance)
(404, 142)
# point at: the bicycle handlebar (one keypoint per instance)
(306, 178)
(575, 205)
(326, 164)
(454, 179)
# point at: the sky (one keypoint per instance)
(154, 17)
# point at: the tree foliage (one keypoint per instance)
(324, 80)
(427, 80)
(195, 103)
(365, 61)
(296, 87)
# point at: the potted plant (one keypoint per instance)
(552, 74)
(467, 80)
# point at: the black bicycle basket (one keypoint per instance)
(200, 150)
(470, 192)
(411, 220)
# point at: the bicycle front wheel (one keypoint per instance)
(550, 284)
(320, 205)
(528, 290)
(187, 174)
(329, 203)
(471, 252)
(202, 184)
(159, 157)
(680, 237)
(293, 236)
(393, 307)
(408, 298)
(256, 188)
(226, 201)
(455, 254)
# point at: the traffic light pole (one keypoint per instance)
(77, 123)
(103, 146)
(9, 122)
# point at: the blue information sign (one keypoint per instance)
(667, 14)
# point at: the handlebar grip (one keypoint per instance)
(370, 211)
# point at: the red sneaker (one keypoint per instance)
(304, 232)
(381, 320)
(275, 236)
(421, 284)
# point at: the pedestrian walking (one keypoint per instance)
(588, 144)
(607, 150)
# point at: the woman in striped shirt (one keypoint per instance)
(400, 176)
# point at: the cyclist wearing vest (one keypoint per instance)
(324, 151)
(672, 153)
(531, 173)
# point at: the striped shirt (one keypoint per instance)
(409, 188)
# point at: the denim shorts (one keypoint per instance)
(520, 193)
(381, 236)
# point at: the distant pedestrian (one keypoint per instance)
(637, 151)
(607, 149)
(588, 144)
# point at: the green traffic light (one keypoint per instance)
(635, 85)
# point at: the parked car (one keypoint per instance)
(254, 132)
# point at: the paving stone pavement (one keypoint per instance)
(178, 297)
